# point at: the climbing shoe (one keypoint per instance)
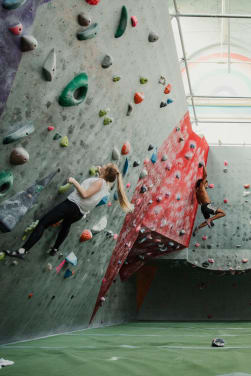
(20, 253)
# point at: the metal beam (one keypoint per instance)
(208, 15)
(215, 96)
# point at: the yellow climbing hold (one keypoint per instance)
(64, 141)
(64, 188)
(2, 256)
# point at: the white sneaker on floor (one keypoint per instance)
(5, 362)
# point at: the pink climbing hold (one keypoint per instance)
(139, 200)
(246, 186)
(244, 260)
(134, 21)
(104, 280)
(225, 163)
(17, 29)
(211, 260)
(225, 200)
(51, 128)
(138, 228)
(128, 185)
(115, 236)
(147, 160)
(204, 237)
(102, 299)
(93, 2)
(109, 204)
(197, 245)
(211, 186)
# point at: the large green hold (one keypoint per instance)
(12, 4)
(6, 181)
(75, 92)
(122, 23)
(88, 33)
(20, 132)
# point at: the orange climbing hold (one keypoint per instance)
(126, 148)
(168, 89)
(93, 2)
(86, 235)
(138, 97)
(30, 295)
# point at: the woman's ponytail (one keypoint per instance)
(123, 200)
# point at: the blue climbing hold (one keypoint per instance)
(103, 201)
(116, 197)
(68, 273)
(169, 101)
(154, 156)
(125, 168)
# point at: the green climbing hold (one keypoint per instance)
(64, 188)
(64, 142)
(57, 136)
(107, 121)
(75, 92)
(20, 132)
(6, 181)
(122, 23)
(93, 171)
(88, 33)
(102, 113)
(29, 229)
(12, 4)
(116, 78)
(2, 256)
(143, 80)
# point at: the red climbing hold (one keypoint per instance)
(115, 236)
(93, 2)
(17, 29)
(51, 128)
(138, 97)
(225, 163)
(126, 148)
(30, 295)
(128, 185)
(225, 200)
(168, 89)
(109, 204)
(211, 185)
(86, 235)
(204, 237)
(246, 186)
(134, 21)
(211, 260)
(197, 245)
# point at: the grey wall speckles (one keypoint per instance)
(90, 143)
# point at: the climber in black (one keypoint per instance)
(78, 204)
(205, 202)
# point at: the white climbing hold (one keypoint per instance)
(49, 67)
(115, 154)
(100, 225)
(143, 174)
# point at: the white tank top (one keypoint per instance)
(87, 204)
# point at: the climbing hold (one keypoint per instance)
(153, 37)
(201, 164)
(14, 208)
(14, 263)
(102, 299)
(181, 139)
(72, 258)
(125, 168)
(93, 171)
(50, 128)
(197, 245)
(88, 33)
(164, 158)
(138, 97)
(16, 29)
(170, 244)
(83, 19)
(154, 156)
(163, 104)
(109, 204)
(150, 147)
(211, 186)
(218, 342)
(126, 148)
(143, 174)
(28, 43)
(162, 80)
(246, 186)
(115, 154)
(2, 256)
(68, 273)
(168, 89)
(177, 129)
(6, 182)
(136, 163)
(225, 163)
(134, 21)
(167, 194)
(188, 155)
(122, 23)
(19, 156)
(204, 237)
(49, 67)
(49, 267)
(205, 264)
(143, 189)
(178, 197)
(244, 260)
(57, 136)
(182, 232)
(225, 200)
(169, 101)
(192, 145)
(177, 175)
(30, 295)
(103, 201)
(159, 198)
(102, 113)
(211, 260)
(115, 236)
(106, 62)
(146, 161)
(20, 132)
(143, 80)
(12, 4)
(168, 167)
(129, 109)
(107, 121)
(86, 235)
(225, 170)
(64, 142)
(238, 246)
(115, 196)
(75, 92)
(246, 193)
(29, 229)
(116, 78)
(100, 225)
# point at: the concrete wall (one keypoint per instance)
(90, 143)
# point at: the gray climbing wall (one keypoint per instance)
(57, 305)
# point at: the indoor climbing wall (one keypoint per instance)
(82, 83)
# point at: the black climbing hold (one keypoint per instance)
(182, 232)
(150, 147)
(75, 92)
(6, 182)
(129, 109)
(12, 4)
(163, 104)
(218, 342)
(115, 196)
(57, 136)
(83, 19)
(49, 67)
(28, 43)
(88, 33)
(136, 163)
(164, 158)
(205, 264)
(106, 62)
(153, 37)
(143, 189)
(122, 23)
(20, 132)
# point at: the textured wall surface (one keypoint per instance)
(57, 304)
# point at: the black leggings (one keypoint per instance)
(68, 211)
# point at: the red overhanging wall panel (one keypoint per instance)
(164, 215)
